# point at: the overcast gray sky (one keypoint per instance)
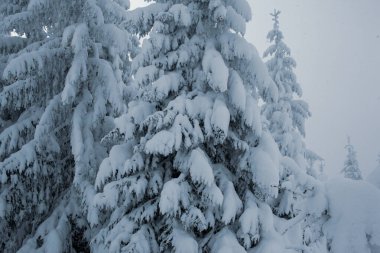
(336, 44)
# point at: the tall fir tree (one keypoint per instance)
(299, 172)
(194, 171)
(351, 166)
(61, 86)
(286, 116)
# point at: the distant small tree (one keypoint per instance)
(351, 165)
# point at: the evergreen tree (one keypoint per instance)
(194, 170)
(286, 116)
(61, 87)
(299, 171)
(351, 165)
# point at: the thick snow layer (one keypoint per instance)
(197, 107)
(252, 117)
(235, 20)
(249, 220)
(219, 11)
(23, 64)
(242, 7)
(270, 245)
(161, 143)
(54, 244)
(216, 70)
(220, 119)
(236, 91)
(166, 84)
(138, 111)
(146, 75)
(265, 165)
(170, 197)
(354, 208)
(265, 173)
(231, 203)
(213, 194)
(181, 14)
(226, 242)
(78, 70)
(271, 241)
(183, 242)
(113, 163)
(200, 168)
(141, 242)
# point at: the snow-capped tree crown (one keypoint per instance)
(282, 62)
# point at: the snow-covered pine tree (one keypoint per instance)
(286, 116)
(60, 91)
(196, 168)
(351, 166)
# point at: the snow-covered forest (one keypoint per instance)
(162, 129)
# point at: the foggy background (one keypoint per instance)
(336, 44)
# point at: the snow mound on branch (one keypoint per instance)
(220, 120)
(354, 208)
(181, 14)
(226, 242)
(252, 117)
(200, 169)
(183, 242)
(236, 91)
(115, 162)
(265, 161)
(235, 21)
(270, 245)
(271, 241)
(170, 197)
(166, 84)
(54, 244)
(198, 106)
(242, 7)
(216, 70)
(162, 143)
(232, 204)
